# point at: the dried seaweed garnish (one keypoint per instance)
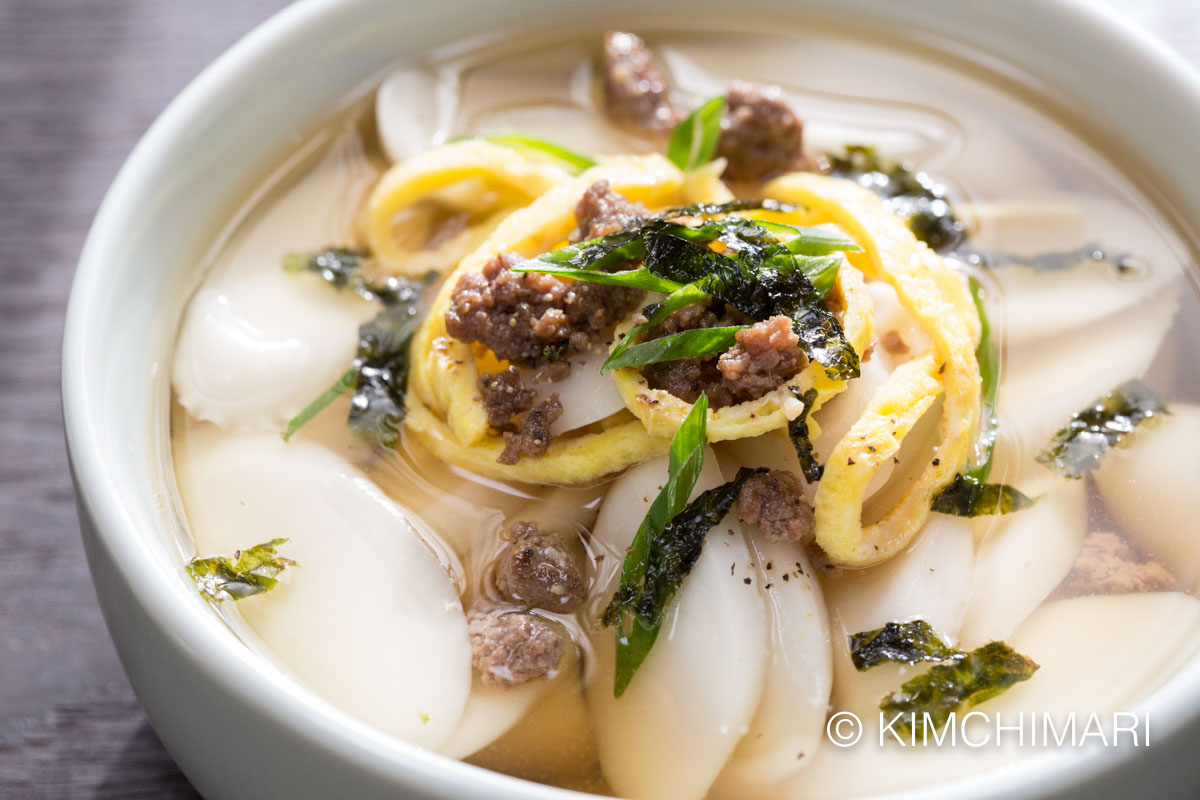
(341, 268)
(958, 681)
(666, 545)
(635, 636)
(1092, 432)
(969, 494)
(909, 193)
(901, 642)
(927, 701)
(798, 433)
(248, 572)
(605, 252)
(377, 405)
(757, 273)
(760, 277)
(379, 374)
(639, 609)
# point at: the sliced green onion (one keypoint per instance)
(693, 143)
(685, 344)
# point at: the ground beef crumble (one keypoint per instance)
(511, 647)
(535, 321)
(534, 437)
(510, 410)
(539, 569)
(762, 136)
(1108, 565)
(821, 563)
(894, 343)
(530, 319)
(709, 314)
(774, 501)
(602, 211)
(635, 92)
(505, 397)
(766, 355)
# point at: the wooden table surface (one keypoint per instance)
(79, 83)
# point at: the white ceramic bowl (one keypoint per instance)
(236, 728)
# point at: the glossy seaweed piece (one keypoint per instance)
(909, 193)
(635, 636)
(798, 433)
(968, 496)
(381, 366)
(899, 642)
(638, 608)
(927, 701)
(757, 274)
(248, 572)
(675, 551)
(379, 374)
(341, 268)
(1080, 444)
(760, 281)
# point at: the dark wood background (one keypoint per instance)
(79, 83)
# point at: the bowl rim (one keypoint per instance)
(97, 470)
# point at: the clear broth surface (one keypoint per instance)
(993, 149)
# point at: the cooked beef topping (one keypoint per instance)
(510, 410)
(1108, 565)
(762, 136)
(894, 343)
(774, 501)
(511, 647)
(688, 378)
(766, 355)
(540, 570)
(602, 211)
(531, 319)
(504, 397)
(709, 314)
(635, 92)
(534, 437)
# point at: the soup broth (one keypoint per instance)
(1085, 290)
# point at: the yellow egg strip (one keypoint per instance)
(571, 460)
(870, 443)
(704, 184)
(662, 412)
(503, 177)
(445, 373)
(938, 299)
